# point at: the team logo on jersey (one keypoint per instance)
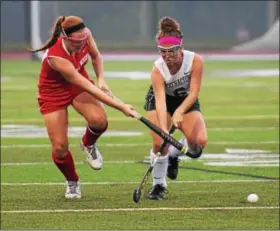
(180, 81)
(83, 60)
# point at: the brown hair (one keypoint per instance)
(168, 26)
(61, 24)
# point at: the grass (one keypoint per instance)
(240, 113)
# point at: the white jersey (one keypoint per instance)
(179, 83)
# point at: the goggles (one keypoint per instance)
(77, 40)
(171, 50)
(70, 30)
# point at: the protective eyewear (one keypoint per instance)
(75, 39)
(78, 40)
(171, 50)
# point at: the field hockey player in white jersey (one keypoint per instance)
(173, 98)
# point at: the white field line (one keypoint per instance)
(209, 85)
(128, 182)
(139, 209)
(244, 129)
(71, 145)
(134, 144)
(244, 142)
(245, 117)
(245, 163)
(76, 163)
(252, 158)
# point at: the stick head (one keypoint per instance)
(136, 195)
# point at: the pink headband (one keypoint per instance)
(169, 40)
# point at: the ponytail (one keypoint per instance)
(55, 35)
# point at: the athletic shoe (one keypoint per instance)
(73, 190)
(94, 157)
(158, 192)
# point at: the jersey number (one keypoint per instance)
(180, 92)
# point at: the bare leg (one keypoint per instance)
(57, 124)
(92, 110)
(195, 132)
(194, 129)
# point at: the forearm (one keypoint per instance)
(72, 76)
(162, 115)
(97, 64)
(95, 91)
(188, 102)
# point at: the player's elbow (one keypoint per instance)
(96, 58)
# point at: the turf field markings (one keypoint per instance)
(245, 117)
(243, 129)
(133, 144)
(248, 158)
(72, 145)
(273, 163)
(141, 209)
(5, 79)
(209, 85)
(35, 131)
(129, 182)
(77, 163)
(244, 142)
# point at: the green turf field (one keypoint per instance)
(210, 193)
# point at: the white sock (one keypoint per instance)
(160, 169)
(174, 152)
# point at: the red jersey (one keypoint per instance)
(51, 82)
(54, 89)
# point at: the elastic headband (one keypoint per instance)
(170, 40)
(74, 28)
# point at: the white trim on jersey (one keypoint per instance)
(64, 47)
(54, 57)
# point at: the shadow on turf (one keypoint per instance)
(230, 173)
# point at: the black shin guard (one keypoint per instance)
(195, 151)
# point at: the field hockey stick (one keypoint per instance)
(137, 191)
(168, 138)
(165, 136)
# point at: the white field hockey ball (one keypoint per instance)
(252, 198)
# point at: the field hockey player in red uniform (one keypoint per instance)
(63, 81)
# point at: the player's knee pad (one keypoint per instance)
(195, 151)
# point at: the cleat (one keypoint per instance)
(94, 157)
(158, 192)
(73, 190)
(173, 165)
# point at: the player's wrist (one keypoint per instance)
(180, 110)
